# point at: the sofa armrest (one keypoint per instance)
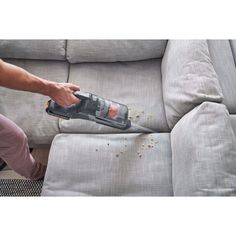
(204, 153)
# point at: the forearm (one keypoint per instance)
(14, 77)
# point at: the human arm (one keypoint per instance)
(14, 77)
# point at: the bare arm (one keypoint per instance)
(14, 77)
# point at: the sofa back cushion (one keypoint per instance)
(33, 49)
(136, 84)
(114, 50)
(222, 56)
(188, 78)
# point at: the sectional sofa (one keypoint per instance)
(184, 90)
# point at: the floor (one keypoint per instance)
(40, 154)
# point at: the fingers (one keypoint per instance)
(74, 99)
(74, 87)
(71, 99)
(63, 94)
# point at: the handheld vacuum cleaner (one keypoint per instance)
(94, 108)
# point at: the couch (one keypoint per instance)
(184, 90)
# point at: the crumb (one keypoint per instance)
(117, 155)
(125, 145)
(152, 140)
(140, 155)
(96, 150)
(149, 145)
(137, 116)
(108, 144)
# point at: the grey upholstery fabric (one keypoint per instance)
(204, 152)
(223, 62)
(33, 49)
(188, 78)
(114, 50)
(233, 123)
(86, 164)
(28, 109)
(136, 84)
(233, 48)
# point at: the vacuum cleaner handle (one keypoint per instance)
(81, 95)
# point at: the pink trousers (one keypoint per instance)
(14, 151)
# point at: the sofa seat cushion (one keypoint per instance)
(28, 109)
(114, 50)
(188, 78)
(204, 152)
(136, 84)
(109, 165)
(33, 49)
(223, 62)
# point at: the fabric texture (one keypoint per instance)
(114, 50)
(204, 153)
(28, 109)
(33, 49)
(233, 48)
(188, 78)
(136, 84)
(109, 165)
(233, 123)
(223, 62)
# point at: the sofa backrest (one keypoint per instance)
(114, 50)
(76, 51)
(222, 53)
(33, 49)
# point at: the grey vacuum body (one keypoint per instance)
(94, 108)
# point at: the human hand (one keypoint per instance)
(62, 93)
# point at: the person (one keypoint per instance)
(14, 149)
